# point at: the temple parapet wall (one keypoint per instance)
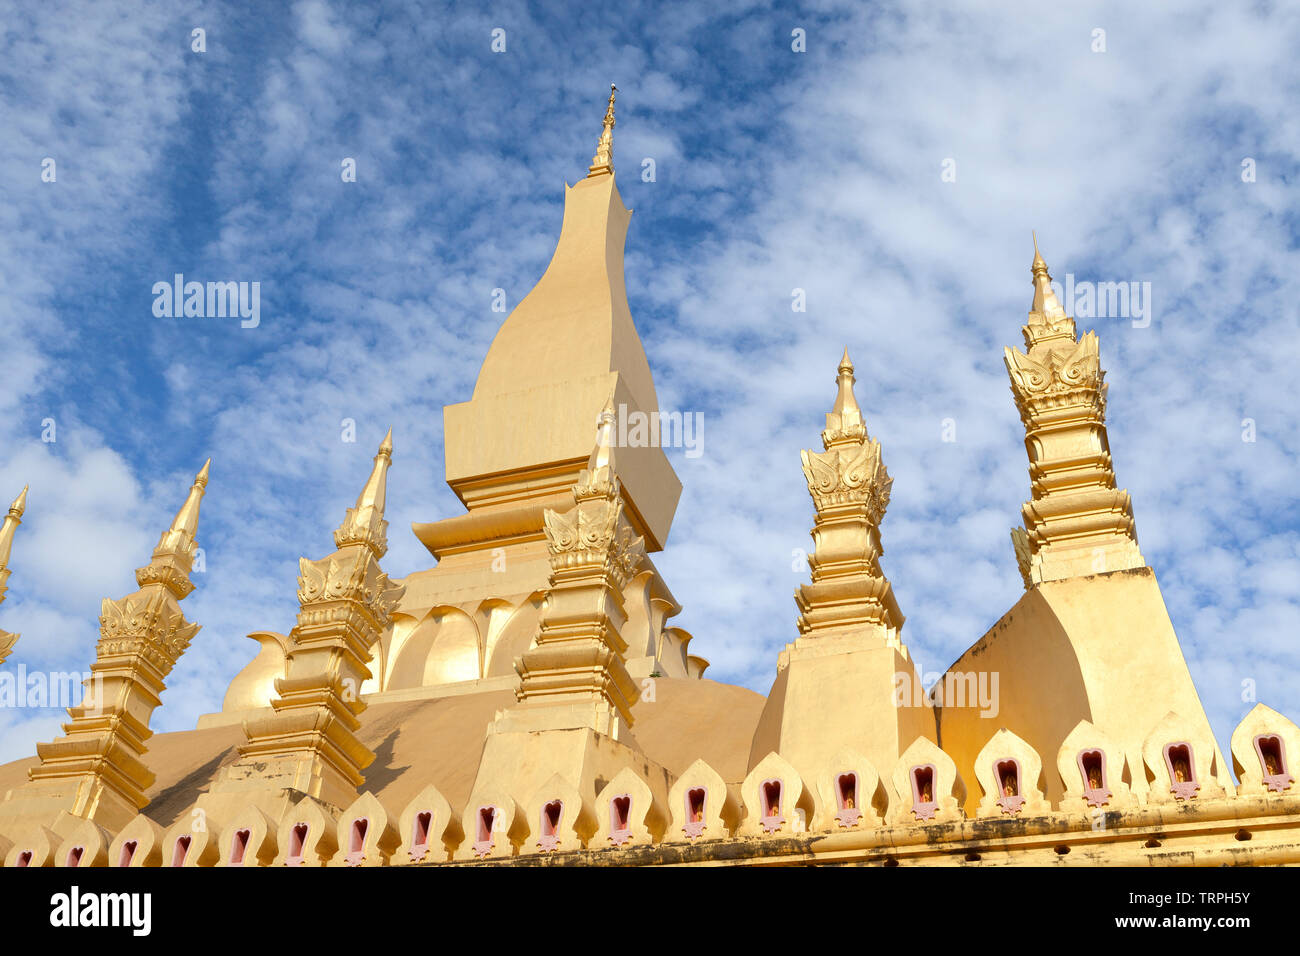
(843, 813)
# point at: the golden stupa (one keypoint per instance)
(526, 700)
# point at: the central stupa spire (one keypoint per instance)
(603, 162)
(519, 444)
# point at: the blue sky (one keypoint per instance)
(775, 170)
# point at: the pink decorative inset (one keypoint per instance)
(128, 853)
(297, 844)
(25, 858)
(696, 803)
(924, 804)
(357, 844)
(483, 836)
(770, 795)
(620, 815)
(1272, 759)
(1182, 771)
(74, 856)
(1006, 773)
(239, 846)
(181, 849)
(1092, 768)
(846, 798)
(420, 835)
(551, 814)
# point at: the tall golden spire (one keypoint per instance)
(850, 489)
(364, 523)
(95, 770)
(346, 603)
(1077, 521)
(603, 161)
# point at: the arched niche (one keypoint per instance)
(1010, 775)
(86, 845)
(701, 806)
(1180, 762)
(627, 813)
(366, 834)
(248, 839)
(307, 835)
(1094, 771)
(1266, 753)
(429, 828)
(775, 799)
(927, 786)
(494, 826)
(138, 844)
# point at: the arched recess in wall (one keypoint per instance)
(455, 652)
(387, 649)
(441, 648)
(492, 616)
(516, 636)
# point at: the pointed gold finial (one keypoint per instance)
(598, 479)
(1045, 305)
(179, 538)
(1039, 265)
(603, 161)
(844, 421)
(365, 524)
(20, 504)
(11, 523)
(602, 456)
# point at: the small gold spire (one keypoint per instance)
(846, 380)
(179, 538)
(1039, 265)
(603, 161)
(365, 523)
(11, 522)
(844, 422)
(602, 456)
(1045, 302)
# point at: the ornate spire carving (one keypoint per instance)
(346, 603)
(578, 662)
(603, 162)
(11, 522)
(850, 489)
(95, 770)
(1077, 522)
